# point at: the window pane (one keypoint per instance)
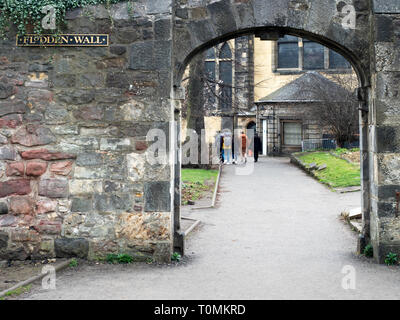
(288, 55)
(336, 61)
(210, 69)
(210, 86)
(225, 75)
(210, 53)
(225, 52)
(292, 133)
(313, 56)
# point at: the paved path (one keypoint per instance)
(275, 235)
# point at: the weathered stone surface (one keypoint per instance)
(90, 113)
(89, 173)
(3, 239)
(138, 226)
(3, 139)
(54, 188)
(46, 249)
(11, 121)
(386, 6)
(6, 88)
(162, 252)
(8, 220)
(157, 196)
(22, 205)
(33, 135)
(46, 206)
(69, 248)
(3, 208)
(85, 186)
(35, 168)
(62, 168)
(8, 153)
(48, 227)
(81, 205)
(55, 114)
(24, 235)
(141, 145)
(118, 50)
(113, 144)
(47, 155)
(89, 159)
(107, 203)
(78, 97)
(15, 169)
(10, 107)
(15, 187)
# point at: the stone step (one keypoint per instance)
(357, 225)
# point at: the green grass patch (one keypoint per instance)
(18, 291)
(121, 258)
(197, 182)
(340, 151)
(339, 173)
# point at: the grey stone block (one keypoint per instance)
(3, 240)
(3, 208)
(70, 247)
(157, 196)
(386, 6)
(81, 205)
(142, 56)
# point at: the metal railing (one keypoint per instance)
(318, 144)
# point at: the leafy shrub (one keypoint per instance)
(119, 258)
(176, 257)
(391, 259)
(369, 251)
(22, 13)
(73, 263)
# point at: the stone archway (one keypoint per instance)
(198, 28)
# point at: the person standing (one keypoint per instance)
(219, 145)
(257, 146)
(243, 150)
(227, 146)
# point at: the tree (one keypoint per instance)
(193, 109)
(338, 112)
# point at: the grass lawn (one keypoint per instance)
(339, 173)
(196, 183)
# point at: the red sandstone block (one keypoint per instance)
(15, 187)
(15, 169)
(61, 168)
(47, 155)
(45, 206)
(141, 145)
(48, 227)
(21, 205)
(36, 168)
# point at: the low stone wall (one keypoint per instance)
(297, 162)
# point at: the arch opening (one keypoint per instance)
(361, 77)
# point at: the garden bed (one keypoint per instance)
(329, 169)
(197, 184)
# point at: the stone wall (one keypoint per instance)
(74, 180)
(384, 155)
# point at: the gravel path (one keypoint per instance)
(276, 234)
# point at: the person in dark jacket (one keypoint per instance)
(257, 146)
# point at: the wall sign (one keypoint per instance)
(63, 40)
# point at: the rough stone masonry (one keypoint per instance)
(74, 180)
